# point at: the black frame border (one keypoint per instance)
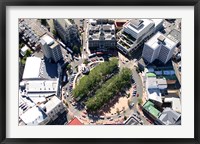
(5, 3)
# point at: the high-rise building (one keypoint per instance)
(135, 32)
(51, 48)
(67, 31)
(158, 47)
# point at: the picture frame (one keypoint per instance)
(3, 86)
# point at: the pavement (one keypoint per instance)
(78, 110)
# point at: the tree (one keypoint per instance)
(68, 67)
(140, 101)
(67, 105)
(44, 22)
(54, 32)
(76, 49)
(85, 61)
(21, 45)
(129, 103)
(118, 112)
(28, 53)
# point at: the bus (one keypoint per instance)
(64, 78)
(62, 44)
(92, 55)
(69, 50)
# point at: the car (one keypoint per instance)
(102, 117)
(108, 117)
(149, 121)
(132, 104)
(84, 116)
(119, 116)
(73, 103)
(111, 119)
(133, 94)
(137, 95)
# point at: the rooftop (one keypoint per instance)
(75, 121)
(158, 39)
(33, 116)
(176, 103)
(104, 32)
(52, 103)
(41, 86)
(32, 68)
(155, 95)
(63, 22)
(169, 117)
(151, 75)
(149, 106)
(175, 35)
(131, 121)
(49, 41)
(138, 25)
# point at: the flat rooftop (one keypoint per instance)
(149, 106)
(52, 43)
(154, 41)
(52, 103)
(32, 68)
(41, 86)
(33, 116)
(63, 22)
(138, 25)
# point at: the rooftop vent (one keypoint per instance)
(161, 38)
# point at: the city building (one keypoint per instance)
(53, 108)
(30, 33)
(175, 103)
(75, 121)
(101, 36)
(135, 32)
(34, 116)
(39, 90)
(51, 48)
(39, 113)
(24, 50)
(119, 23)
(132, 120)
(149, 109)
(175, 35)
(155, 87)
(32, 68)
(67, 31)
(158, 47)
(169, 117)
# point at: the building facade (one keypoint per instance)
(67, 31)
(158, 47)
(101, 36)
(51, 48)
(135, 32)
